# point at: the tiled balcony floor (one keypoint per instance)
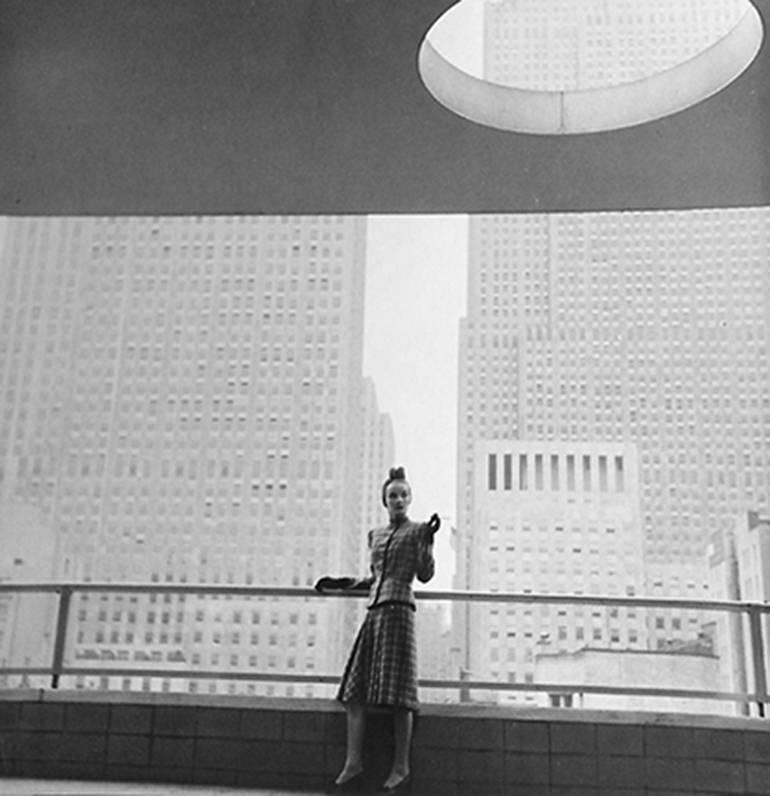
(46, 787)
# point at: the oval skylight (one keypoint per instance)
(582, 66)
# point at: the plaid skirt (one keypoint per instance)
(382, 666)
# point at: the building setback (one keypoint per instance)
(643, 328)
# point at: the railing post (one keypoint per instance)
(65, 595)
(758, 656)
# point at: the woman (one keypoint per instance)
(382, 667)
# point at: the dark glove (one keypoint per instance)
(433, 524)
(328, 583)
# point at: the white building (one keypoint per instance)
(739, 563)
(687, 669)
(439, 656)
(28, 619)
(559, 518)
(182, 402)
(580, 44)
(378, 458)
(378, 451)
(752, 547)
(648, 328)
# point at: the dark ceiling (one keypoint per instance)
(315, 106)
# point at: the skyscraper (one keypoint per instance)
(641, 328)
(182, 400)
(739, 559)
(645, 328)
(378, 452)
(553, 517)
(27, 620)
(579, 44)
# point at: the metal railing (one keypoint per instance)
(65, 590)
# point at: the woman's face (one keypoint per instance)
(398, 496)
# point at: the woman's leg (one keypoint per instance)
(356, 724)
(402, 736)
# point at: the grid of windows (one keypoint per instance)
(183, 397)
(640, 327)
(568, 45)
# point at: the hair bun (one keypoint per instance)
(395, 474)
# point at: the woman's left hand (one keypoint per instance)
(328, 583)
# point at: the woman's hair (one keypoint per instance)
(396, 474)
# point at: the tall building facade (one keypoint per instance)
(739, 561)
(182, 401)
(730, 641)
(646, 328)
(752, 550)
(379, 450)
(580, 44)
(559, 518)
(377, 456)
(27, 620)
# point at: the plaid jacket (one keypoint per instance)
(397, 556)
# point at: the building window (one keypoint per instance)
(603, 473)
(587, 473)
(554, 472)
(492, 471)
(538, 471)
(619, 479)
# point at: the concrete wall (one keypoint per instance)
(257, 106)
(296, 744)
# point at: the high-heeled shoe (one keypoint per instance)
(352, 785)
(404, 785)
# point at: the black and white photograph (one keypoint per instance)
(384, 397)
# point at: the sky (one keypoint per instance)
(415, 295)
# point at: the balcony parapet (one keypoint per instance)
(298, 744)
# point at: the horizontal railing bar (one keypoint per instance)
(176, 674)
(485, 685)
(447, 596)
(66, 589)
(598, 599)
(560, 688)
(163, 588)
(26, 670)
(21, 588)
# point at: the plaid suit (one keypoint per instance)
(382, 666)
